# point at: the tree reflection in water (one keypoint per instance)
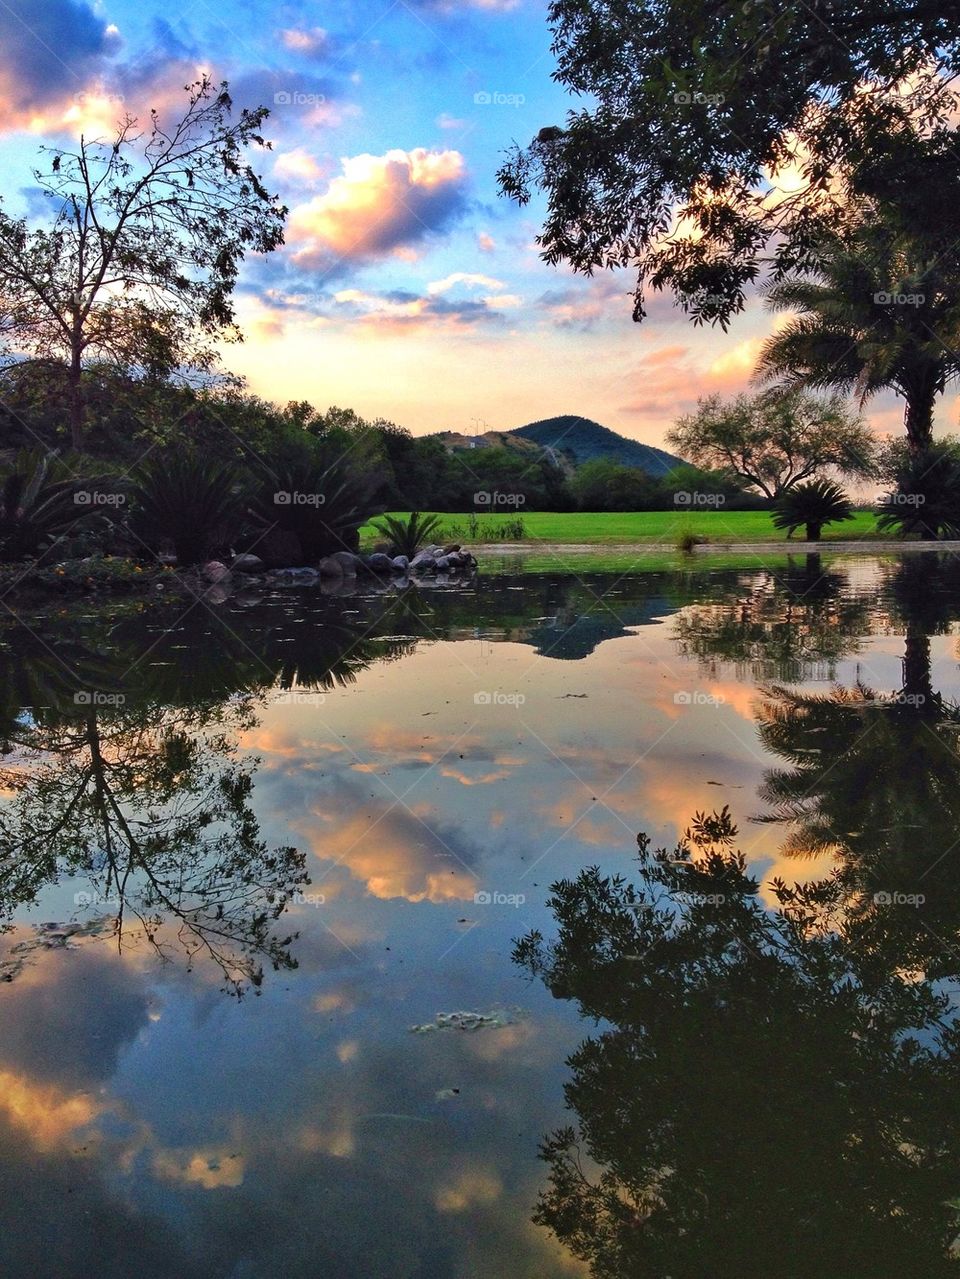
(775, 1089)
(768, 1092)
(120, 766)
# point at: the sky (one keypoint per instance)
(407, 287)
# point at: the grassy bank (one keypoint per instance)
(611, 528)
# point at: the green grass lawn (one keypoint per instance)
(609, 528)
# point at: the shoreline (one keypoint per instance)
(886, 547)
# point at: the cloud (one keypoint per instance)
(298, 166)
(380, 206)
(463, 277)
(50, 50)
(485, 243)
(401, 309)
(311, 43)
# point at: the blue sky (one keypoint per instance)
(407, 288)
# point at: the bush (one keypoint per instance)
(188, 501)
(926, 500)
(407, 536)
(37, 503)
(811, 504)
(320, 497)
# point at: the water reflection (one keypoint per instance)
(775, 1086)
(771, 1082)
(764, 1097)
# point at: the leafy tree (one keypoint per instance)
(774, 441)
(811, 505)
(874, 308)
(691, 112)
(140, 260)
(606, 485)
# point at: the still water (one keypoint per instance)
(288, 991)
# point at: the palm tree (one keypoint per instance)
(811, 505)
(877, 309)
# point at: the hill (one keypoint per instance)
(583, 440)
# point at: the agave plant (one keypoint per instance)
(321, 499)
(926, 501)
(38, 503)
(190, 501)
(407, 536)
(811, 505)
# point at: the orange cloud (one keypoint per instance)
(379, 205)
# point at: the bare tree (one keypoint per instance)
(139, 263)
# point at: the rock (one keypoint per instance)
(401, 563)
(218, 593)
(330, 566)
(454, 546)
(348, 562)
(443, 564)
(424, 564)
(247, 564)
(280, 548)
(215, 571)
(454, 560)
(378, 562)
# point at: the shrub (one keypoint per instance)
(407, 536)
(37, 506)
(926, 500)
(184, 499)
(811, 505)
(320, 497)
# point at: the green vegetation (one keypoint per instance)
(811, 505)
(656, 528)
(186, 500)
(407, 536)
(583, 440)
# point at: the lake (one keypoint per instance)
(287, 991)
